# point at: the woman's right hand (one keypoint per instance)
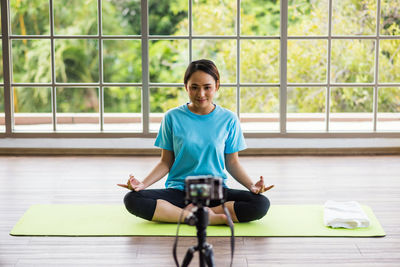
(133, 184)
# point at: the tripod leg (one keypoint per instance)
(188, 257)
(209, 255)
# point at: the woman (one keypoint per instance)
(198, 138)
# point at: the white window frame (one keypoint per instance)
(146, 84)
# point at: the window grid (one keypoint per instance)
(101, 88)
(145, 69)
(53, 68)
(146, 84)
(283, 67)
(6, 67)
(190, 30)
(328, 74)
(238, 33)
(375, 100)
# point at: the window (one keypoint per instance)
(2, 102)
(109, 67)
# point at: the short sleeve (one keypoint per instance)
(235, 141)
(164, 138)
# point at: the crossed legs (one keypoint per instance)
(165, 205)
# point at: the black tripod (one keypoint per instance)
(206, 254)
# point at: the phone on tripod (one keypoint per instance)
(200, 191)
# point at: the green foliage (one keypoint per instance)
(122, 61)
(214, 17)
(165, 17)
(307, 61)
(75, 17)
(66, 100)
(122, 100)
(2, 99)
(1, 63)
(306, 100)
(351, 100)
(163, 99)
(29, 17)
(263, 68)
(390, 17)
(168, 60)
(260, 17)
(35, 100)
(389, 61)
(353, 61)
(316, 13)
(389, 99)
(77, 60)
(259, 100)
(354, 17)
(31, 61)
(226, 97)
(222, 52)
(121, 17)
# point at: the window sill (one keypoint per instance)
(145, 146)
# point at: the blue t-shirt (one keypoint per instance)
(199, 142)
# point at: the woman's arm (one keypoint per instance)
(158, 172)
(161, 169)
(237, 171)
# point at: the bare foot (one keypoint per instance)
(190, 207)
(215, 219)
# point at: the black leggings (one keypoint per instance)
(248, 206)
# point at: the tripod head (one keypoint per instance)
(201, 190)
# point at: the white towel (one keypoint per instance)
(347, 214)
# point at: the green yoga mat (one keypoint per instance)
(114, 220)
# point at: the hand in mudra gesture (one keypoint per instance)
(133, 184)
(259, 187)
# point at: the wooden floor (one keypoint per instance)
(371, 180)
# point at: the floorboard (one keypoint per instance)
(371, 180)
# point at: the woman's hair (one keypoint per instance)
(204, 65)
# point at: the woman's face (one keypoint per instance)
(201, 88)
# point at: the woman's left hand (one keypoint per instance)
(133, 184)
(259, 187)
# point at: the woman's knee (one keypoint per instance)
(140, 206)
(263, 205)
(253, 210)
